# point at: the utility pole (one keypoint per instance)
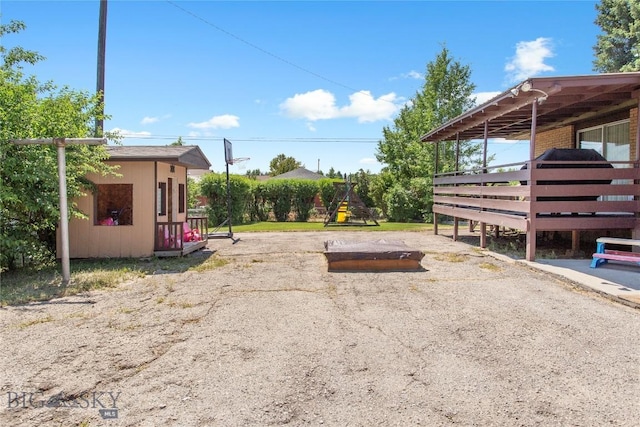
(60, 143)
(102, 45)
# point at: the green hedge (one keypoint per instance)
(214, 187)
(254, 200)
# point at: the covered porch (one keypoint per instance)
(181, 238)
(540, 195)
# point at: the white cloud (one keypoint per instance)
(529, 59)
(130, 133)
(410, 75)
(368, 109)
(413, 75)
(149, 120)
(193, 134)
(315, 105)
(225, 121)
(482, 97)
(321, 105)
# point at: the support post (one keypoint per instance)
(60, 144)
(635, 233)
(532, 231)
(483, 225)
(435, 173)
(229, 202)
(575, 241)
(456, 220)
(64, 210)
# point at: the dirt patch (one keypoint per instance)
(272, 338)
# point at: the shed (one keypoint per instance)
(143, 210)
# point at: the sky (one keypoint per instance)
(317, 81)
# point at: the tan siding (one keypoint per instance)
(87, 240)
(179, 176)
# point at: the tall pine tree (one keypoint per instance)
(618, 47)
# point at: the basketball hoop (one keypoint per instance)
(240, 161)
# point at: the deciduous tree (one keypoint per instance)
(446, 93)
(29, 206)
(282, 164)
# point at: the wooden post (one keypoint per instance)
(635, 233)
(64, 209)
(456, 220)
(102, 44)
(532, 231)
(435, 172)
(60, 143)
(575, 241)
(483, 225)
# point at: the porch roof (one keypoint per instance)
(189, 156)
(568, 100)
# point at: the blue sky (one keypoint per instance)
(312, 80)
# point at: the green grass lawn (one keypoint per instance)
(319, 226)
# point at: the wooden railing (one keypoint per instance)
(539, 197)
(170, 236)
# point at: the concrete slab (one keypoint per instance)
(615, 279)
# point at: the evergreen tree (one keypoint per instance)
(618, 47)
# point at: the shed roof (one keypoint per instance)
(189, 156)
(569, 99)
(300, 173)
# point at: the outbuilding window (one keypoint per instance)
(114, 204)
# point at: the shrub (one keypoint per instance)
(304, 193)
(214, 187)
(279, 193)
(258, 204)
(398, 203)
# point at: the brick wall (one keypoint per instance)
(557, 138)
(565, 137)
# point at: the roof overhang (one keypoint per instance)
(561, 101)
(189, 156)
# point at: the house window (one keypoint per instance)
(114, 204)
(613, 142)
(181, 198)
(162, 198)
(610, 140)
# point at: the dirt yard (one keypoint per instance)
(272, 338)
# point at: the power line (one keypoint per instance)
(265, 51)
(350, 140)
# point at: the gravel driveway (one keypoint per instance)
(272, 338)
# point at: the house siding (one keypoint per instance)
(179, 176)
(566, 137)
(87, 240)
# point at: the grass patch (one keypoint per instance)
(27, 285)
(451, 257)
(267, 226)
(489, 266)
(211, 263)
(45, 319)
